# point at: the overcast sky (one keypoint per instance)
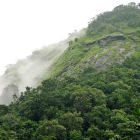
(26, 25)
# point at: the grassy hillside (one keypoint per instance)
(111, 38)
(93, 92)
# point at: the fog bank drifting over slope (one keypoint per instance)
(30, 71)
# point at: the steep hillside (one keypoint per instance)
(111, 38)
(92, 91)
(31, 71)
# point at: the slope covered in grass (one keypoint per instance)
(111, 38)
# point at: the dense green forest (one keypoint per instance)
(80, 101)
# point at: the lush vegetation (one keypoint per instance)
(86, 51)
(122, 17)
(89, 105)
(97, 105)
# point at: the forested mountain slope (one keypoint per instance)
(93, 91)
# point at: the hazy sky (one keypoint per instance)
(26, 25)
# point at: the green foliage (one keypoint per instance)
(50, 130)
(27, 129)
(3, 134)
(96, 105)
(71, 121)
(85, 98)
(120, 18)
(7, 134)
(79, 102)
(137, 111)
(3, 110)
(76, 135)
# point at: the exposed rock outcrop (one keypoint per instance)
(101, 60)
(107, 39)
